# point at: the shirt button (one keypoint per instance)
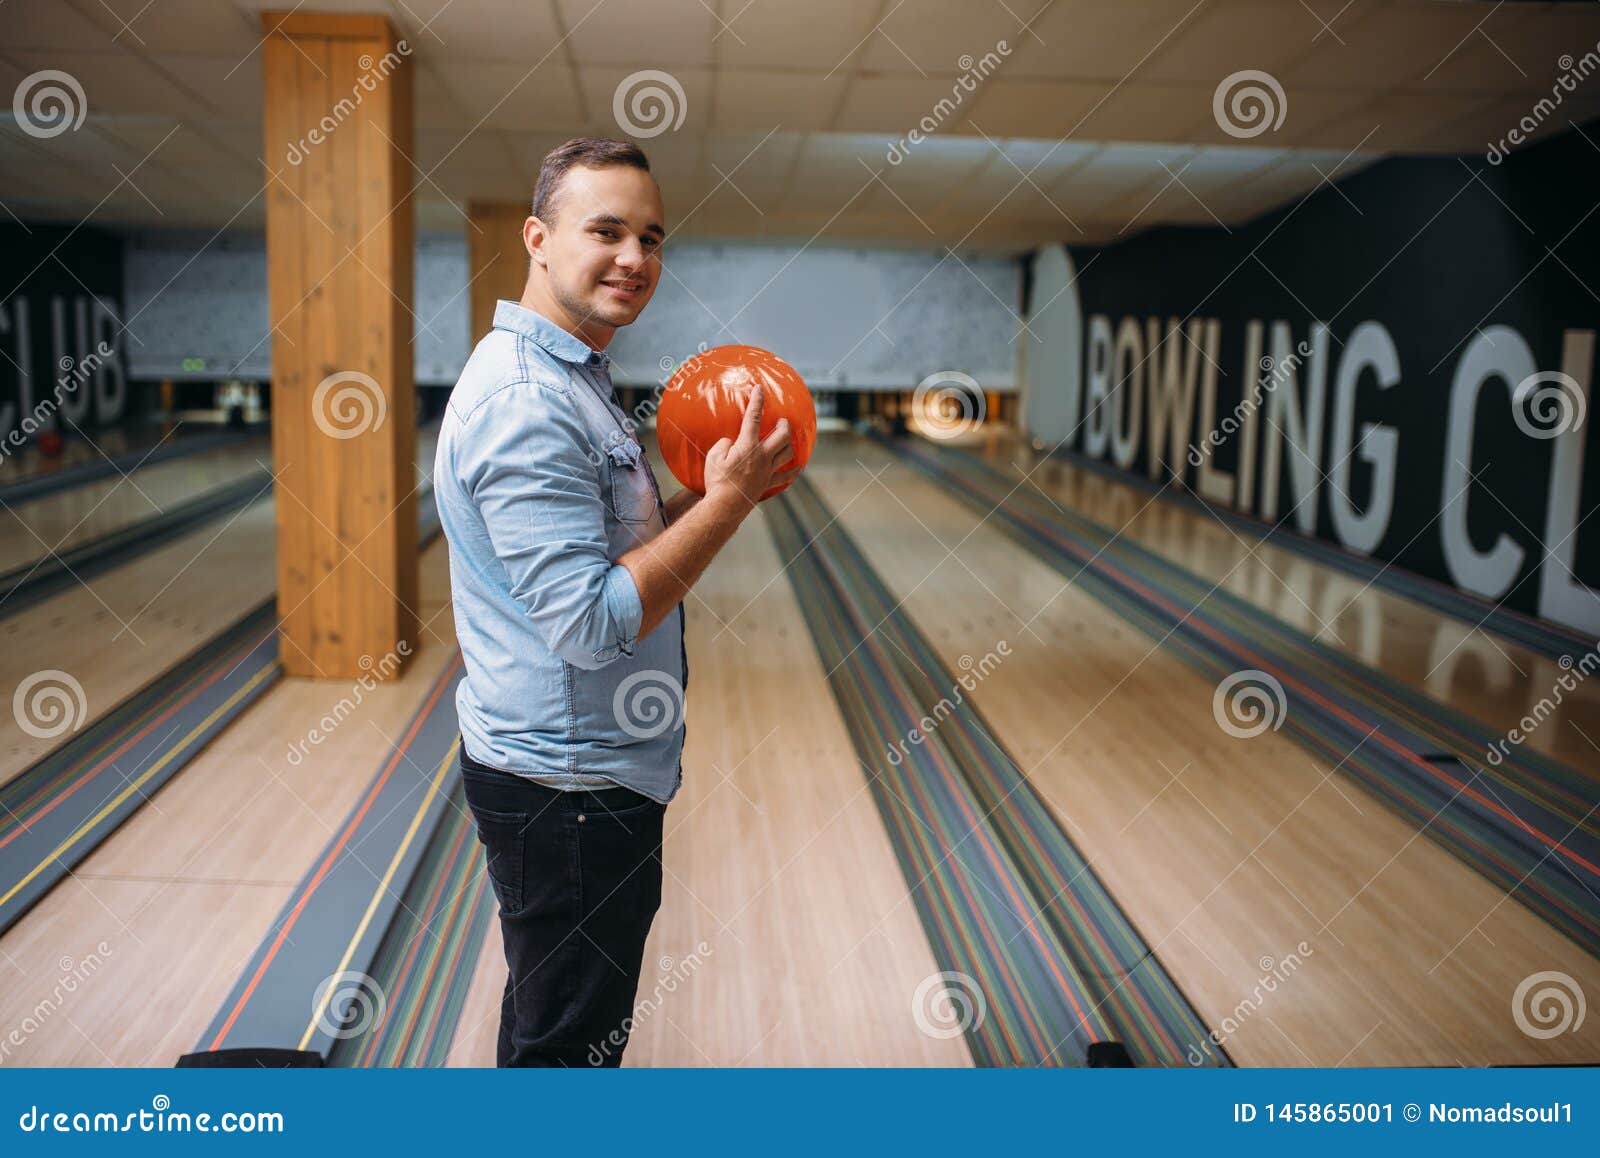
(582, 818)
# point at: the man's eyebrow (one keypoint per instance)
(613, 219)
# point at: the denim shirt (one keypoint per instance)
(541, 487)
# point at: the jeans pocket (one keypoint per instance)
(504, 836)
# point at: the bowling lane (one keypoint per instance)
(1226, 853)
(118, 630)
(63, 519)
(29, 463)
(1472, 670)
(175, 901)
(776, 863)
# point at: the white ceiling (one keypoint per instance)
(1098, 123)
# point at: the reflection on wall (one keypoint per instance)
(845, 318)
(199, 307)
(1394, 365)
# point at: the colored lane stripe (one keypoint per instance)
(308, 888)
(48, 792)
(59, 852)
(426, 964)
(91, 758)
(41, 483)
(1071, 968)
(1549, 639)
(424, 806)
(1533, 807)
(34, 582)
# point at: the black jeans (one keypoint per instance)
(578, 878)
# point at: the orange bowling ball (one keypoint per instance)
(705, 400)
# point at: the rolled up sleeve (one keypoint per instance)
(533, 473)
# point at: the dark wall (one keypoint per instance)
(61, 352)
(1440, 253)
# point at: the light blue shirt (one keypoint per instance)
(541, 488)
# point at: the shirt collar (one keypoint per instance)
(530, 324)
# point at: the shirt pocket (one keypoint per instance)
(633, 495)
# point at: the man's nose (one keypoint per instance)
(631, 256)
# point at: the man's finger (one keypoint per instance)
(751, 427)
(779, 438)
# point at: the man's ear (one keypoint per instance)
(534, 235)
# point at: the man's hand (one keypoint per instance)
(741, 469)
(738, 471)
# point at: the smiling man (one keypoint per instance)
(565, 565)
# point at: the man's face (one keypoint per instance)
(602, 252)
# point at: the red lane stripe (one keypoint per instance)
(439, 959)
(1394, 746)
(97, 768)
(435, 893)
(327, 861)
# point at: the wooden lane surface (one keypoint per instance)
(181, 895)
(63, 519)
(118, 630)
(776, 861)
(1476, 671)
(1225, 853)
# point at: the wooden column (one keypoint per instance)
(340, 243)
(497, 259)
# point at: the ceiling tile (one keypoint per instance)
(643, 33)
(819, 35)
(934, 37)
(651, 108)
(1007, 107)
(894, 105)
(1234, 35)
(792, 101)
(1095, 39)
(473, 30)
(178, 26)
(510, 96)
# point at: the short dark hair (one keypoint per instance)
(591, 152)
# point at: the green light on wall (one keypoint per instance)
(193, 365)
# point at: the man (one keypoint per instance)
(564, 567)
